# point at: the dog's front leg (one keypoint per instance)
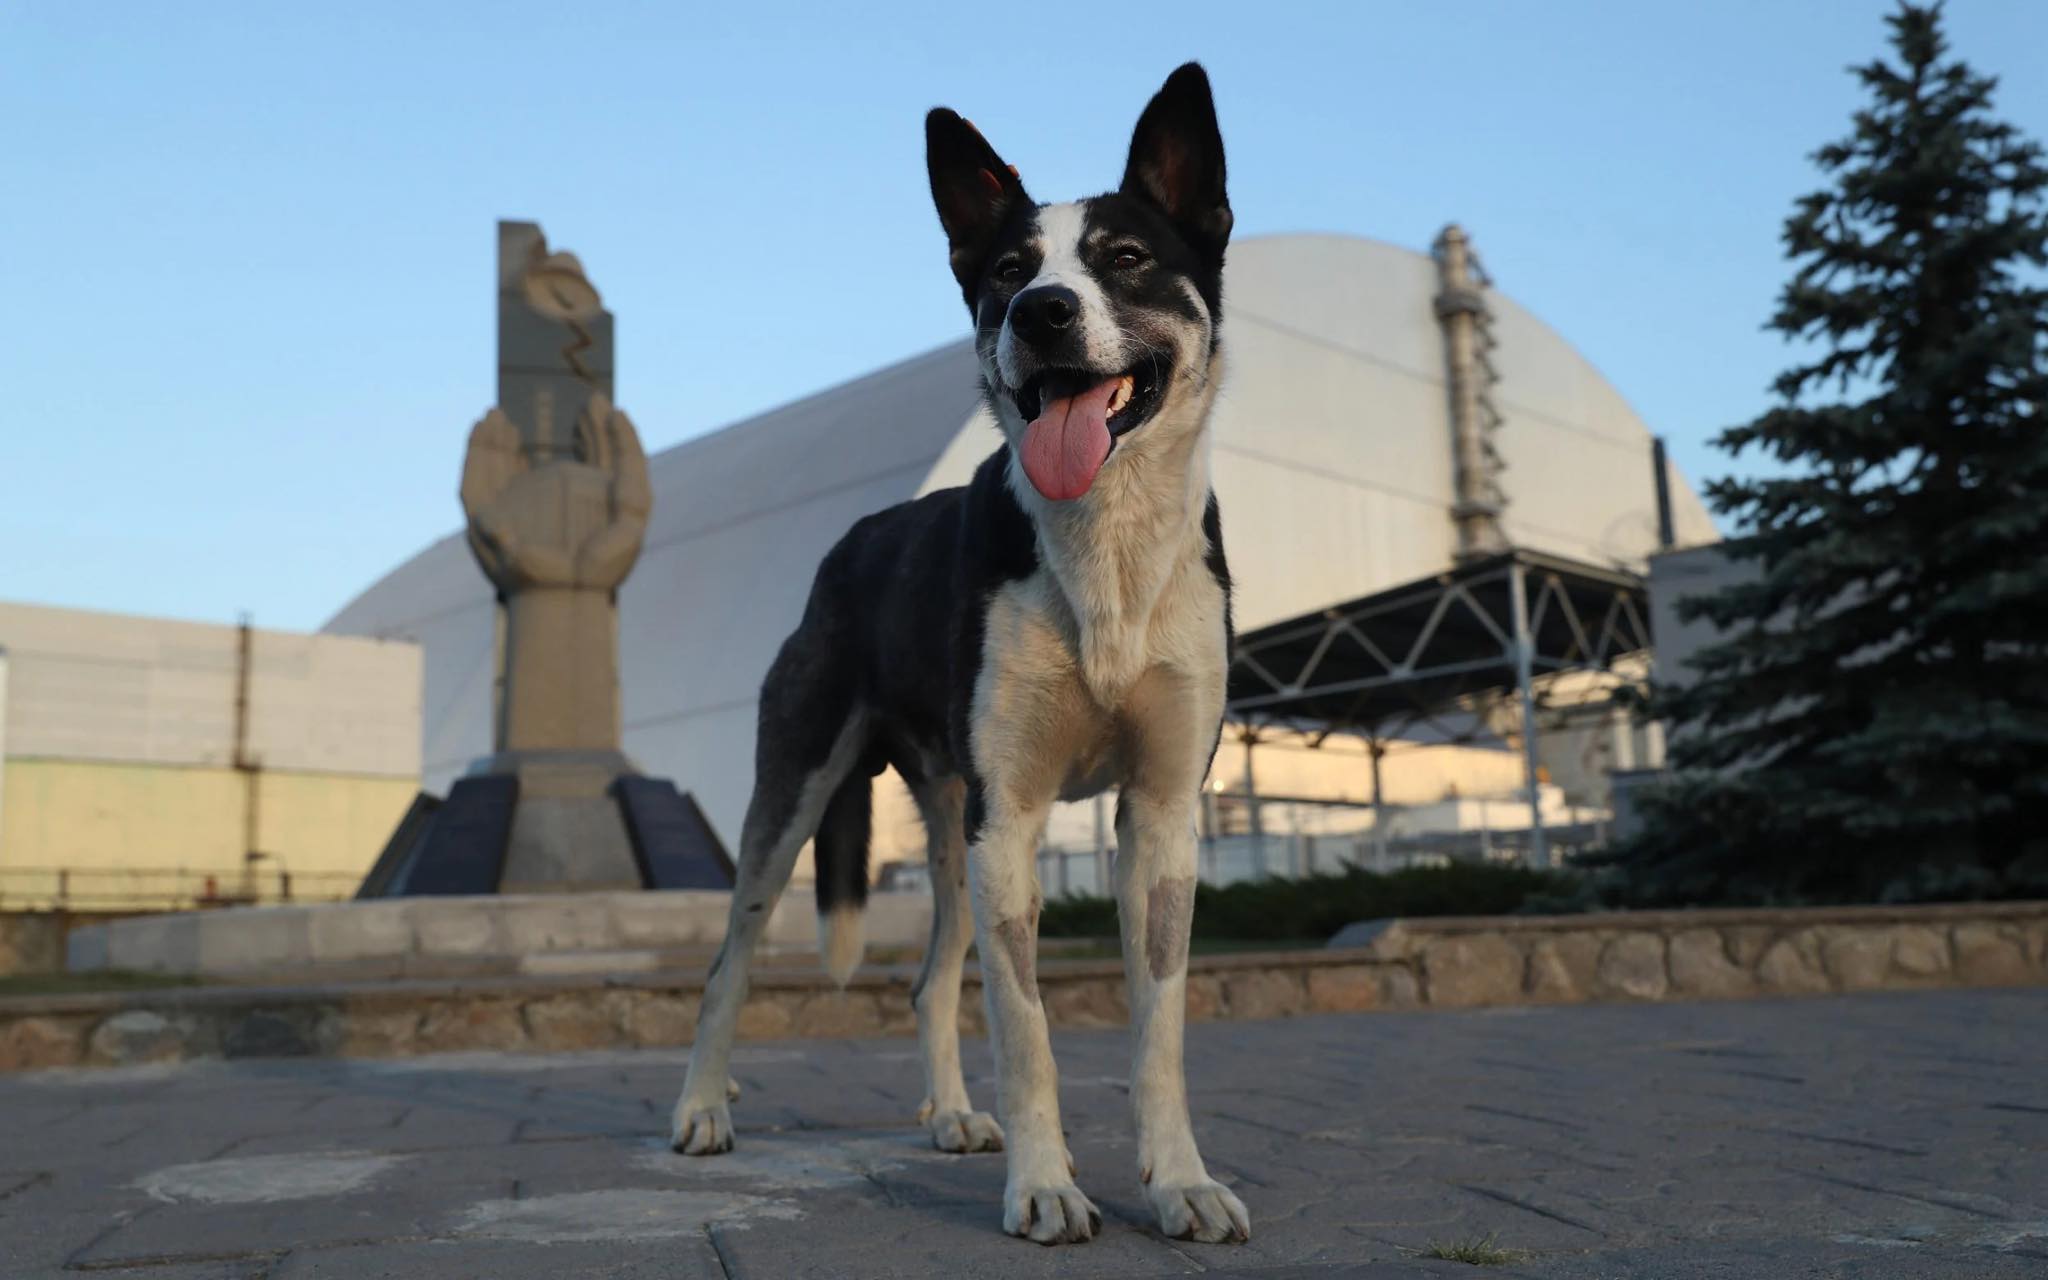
(1040, 1199)
(1155, 897)
(947, 1115)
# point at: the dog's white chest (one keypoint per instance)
(1114, 652)
(1110, 641)
(1131, 592)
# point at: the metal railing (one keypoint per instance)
(1336, 839)
(165, 888)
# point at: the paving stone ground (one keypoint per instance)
(1863, 1136)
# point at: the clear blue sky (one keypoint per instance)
(248, 247)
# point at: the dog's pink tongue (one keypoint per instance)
(1068, 442)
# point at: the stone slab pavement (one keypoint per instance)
(1861, 1136)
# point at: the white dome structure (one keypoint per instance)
(1332, 464)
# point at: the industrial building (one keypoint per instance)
(1386, 417)
(147, 763)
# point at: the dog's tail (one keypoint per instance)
(841, 852)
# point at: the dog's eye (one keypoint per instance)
(1010, 270)
(1128, 257)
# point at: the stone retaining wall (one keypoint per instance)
(34, 941)
(1409, 964)
(1711, 955)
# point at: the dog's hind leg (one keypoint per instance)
(811, 737)
(946, 1112)
(1173, 720)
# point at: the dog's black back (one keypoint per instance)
(892, 625)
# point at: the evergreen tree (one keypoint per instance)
(1872, 722)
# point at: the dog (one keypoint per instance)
(1059, 626)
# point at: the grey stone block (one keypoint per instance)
(292, 1031)
(135, 1036)
(457, 926)
(253, 939)
(154, 944)
(1632, 965)
(552, 923)
(668, 918)
(85, 950)
(346, 931)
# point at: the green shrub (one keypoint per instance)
(1313, 908)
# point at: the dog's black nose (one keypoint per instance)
(1042, 314)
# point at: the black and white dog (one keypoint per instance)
(1059, 626)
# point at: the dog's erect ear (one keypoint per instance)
(972, 187)
(1177, 159)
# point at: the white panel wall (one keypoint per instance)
(1580, 477)
(106, 687)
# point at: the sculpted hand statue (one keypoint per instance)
(572, 521)
(557, 535)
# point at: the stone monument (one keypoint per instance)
(555, 489)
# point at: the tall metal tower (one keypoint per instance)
(1467, 324)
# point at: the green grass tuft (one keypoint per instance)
(1479, 1251)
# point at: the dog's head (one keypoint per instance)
(1094, 319)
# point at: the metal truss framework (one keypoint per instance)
(1412, 653)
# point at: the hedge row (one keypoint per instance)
(1314, 907)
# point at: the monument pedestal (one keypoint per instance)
(568, 830)
(534, 822)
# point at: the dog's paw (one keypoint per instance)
(1205, 1211)
(1050, 1214)
(964, 1131)
(700, 1129)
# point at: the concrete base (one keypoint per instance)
(567, 833)
(439, 936)
(550, 822)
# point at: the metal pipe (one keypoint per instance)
(1525, 680)
(1667, 538)
(1379, 807)
(1101, 845)
(1251, 805)
(244, 760)
(1206, 872)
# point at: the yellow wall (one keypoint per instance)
(126, 827)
